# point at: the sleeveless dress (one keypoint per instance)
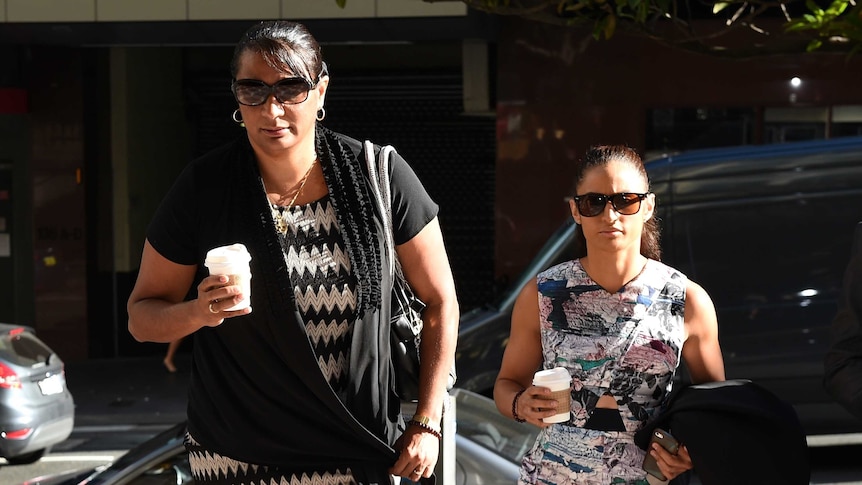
(626, 344)
(324, 288)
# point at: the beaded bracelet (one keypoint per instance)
(515, 407)
(425, 427)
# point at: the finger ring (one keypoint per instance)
(417, 471)
(211, 306)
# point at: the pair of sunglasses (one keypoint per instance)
(625, 203)
(253, 92)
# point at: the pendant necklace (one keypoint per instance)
(278, 211)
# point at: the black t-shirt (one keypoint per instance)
(172, 230)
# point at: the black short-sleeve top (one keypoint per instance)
(172, 230)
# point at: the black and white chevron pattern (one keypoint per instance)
(214, 469)
(324, 284)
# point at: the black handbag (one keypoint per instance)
(405, 332)
(406, 316)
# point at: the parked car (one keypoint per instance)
(488, 448)
(767, 231)
(36, 408)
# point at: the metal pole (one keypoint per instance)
(445, 469)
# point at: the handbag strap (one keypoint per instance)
(378, 171)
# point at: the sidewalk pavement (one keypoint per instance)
(128, 391)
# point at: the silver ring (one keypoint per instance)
(211, 306)
(417, 471)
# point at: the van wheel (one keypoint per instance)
(26, 458)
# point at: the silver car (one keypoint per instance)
(488, 449)
(36, 408)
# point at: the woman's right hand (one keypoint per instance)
(215, 296)
(534, 404)
(157, 306)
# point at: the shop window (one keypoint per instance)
(680, 129)
(676, 129)
(846, 121)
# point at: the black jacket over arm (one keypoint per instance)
(736, 432)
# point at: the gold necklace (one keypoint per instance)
(277, 212)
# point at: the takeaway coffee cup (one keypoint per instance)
(232, 261)
(559, 382)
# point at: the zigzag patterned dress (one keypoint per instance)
(324, 291)
(626, 344)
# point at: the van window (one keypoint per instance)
(772, 267)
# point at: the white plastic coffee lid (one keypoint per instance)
(234, 253)
(551, 375)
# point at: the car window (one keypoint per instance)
(172, 471)
(479, 421)
(23, 349)
(772, 267)
(559, 247)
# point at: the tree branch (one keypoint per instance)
(785, 26)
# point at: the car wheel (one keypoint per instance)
(26, 458)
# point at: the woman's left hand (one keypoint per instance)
(671, 465)
(418, 454)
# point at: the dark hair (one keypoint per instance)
(285, 46)
(599, 156)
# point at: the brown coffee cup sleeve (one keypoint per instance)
(563, 399)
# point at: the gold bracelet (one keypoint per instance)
(423, 420)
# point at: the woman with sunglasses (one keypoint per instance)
(299, 390)
(617, 320)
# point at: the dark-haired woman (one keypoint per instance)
(618, 320)
(300, 390)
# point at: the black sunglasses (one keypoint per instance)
(626, 203)
(253, 92)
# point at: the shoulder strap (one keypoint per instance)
(378, 173)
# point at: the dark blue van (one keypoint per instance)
(767, 231)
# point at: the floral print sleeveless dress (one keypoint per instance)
(626, 344)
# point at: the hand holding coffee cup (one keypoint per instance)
(559, 382)
(231, 261)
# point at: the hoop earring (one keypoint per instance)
(236, 118)
(321, 113)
